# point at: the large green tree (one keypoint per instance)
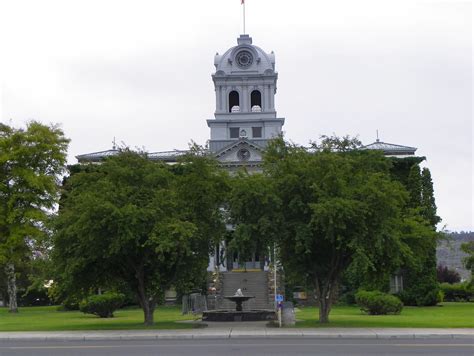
(339, 205)
(419, 273)
(31, 162)
(253, 210)
(137, 222)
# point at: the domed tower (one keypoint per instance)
(245, 117)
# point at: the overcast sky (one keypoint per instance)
(140, 71)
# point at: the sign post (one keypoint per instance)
(279, 300)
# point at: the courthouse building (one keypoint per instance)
(245, 119)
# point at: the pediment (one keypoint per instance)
(241, 152)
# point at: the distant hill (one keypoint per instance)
(448, 252)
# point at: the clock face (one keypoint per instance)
(243, 154)
(244, 59)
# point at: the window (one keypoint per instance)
(255, 99)
(234, 132)
(256, 132)
(396, 283)
(233, 100)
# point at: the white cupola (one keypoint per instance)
(245, 85)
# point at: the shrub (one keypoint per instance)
(446, 275)
(458, 292)
(102, 305)
(378, 303)
(440, 297)
(419, 296)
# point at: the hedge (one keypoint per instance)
(378, 303)
(458, 292)
(102, 305)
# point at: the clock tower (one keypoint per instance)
(245, 116)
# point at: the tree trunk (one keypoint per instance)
(148, 306)
(324, 309)
(146, 302)
(11, 286)
(324, 292)
(148, 311)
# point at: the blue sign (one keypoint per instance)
(279, 298)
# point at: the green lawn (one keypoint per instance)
(48, 318)
(447, 315)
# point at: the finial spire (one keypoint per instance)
(377, 131)
(114, 145)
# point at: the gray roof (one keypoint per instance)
(96, 156)
(263, 63)
(167, 156)
(390, 149)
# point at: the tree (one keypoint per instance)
(338, 205)
(414, 186)
(137, 222)
(419, 274)
(428, 203)
(31, 162)
(253, 207)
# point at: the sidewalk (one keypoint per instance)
(239, 330)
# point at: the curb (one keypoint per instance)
(467, 334)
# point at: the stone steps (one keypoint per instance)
(251, 283)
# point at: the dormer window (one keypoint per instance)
(234, 100)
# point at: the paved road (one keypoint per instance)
(253, 346)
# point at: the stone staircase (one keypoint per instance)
(251, 283)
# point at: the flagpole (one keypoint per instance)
(243, 3)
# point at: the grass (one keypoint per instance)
(49, 319)
(446, 315)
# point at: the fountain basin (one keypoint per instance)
(234, 315)
(238, 300)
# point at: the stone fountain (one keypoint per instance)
(238, 298)
(238, 314)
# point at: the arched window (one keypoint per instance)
(255, 99)
(233, 100)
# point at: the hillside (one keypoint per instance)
(448, 252)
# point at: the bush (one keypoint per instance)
(378, 303)
(440, 297)
(458, 292)
(419, 296)
(102, 305)
(446, 275)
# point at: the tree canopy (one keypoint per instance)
(31, 163)
(141, 222)
(253, 209)
(338, 206)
